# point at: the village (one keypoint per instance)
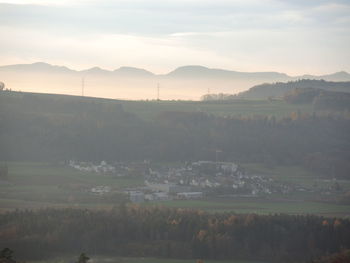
(195, 180)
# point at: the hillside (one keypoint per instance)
(58, 128)
(319, 98)
(278, 90)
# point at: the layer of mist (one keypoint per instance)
(184, 83)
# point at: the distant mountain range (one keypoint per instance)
(203, 72)
(48, 68)
(181, 72)
(187, 82)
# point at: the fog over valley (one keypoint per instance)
(184, 83)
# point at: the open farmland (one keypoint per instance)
(149, 110)
(40, 185)
(245, 108)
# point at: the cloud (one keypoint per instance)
(155, 17)
(239, 34)
(149, 17)
(109, 50)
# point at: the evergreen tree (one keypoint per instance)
(83, 258)
(6, 253)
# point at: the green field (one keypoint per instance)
(46, 174)
(279, 109)
(149, 110)
(295, 175)
(41, 185)
(38, 185)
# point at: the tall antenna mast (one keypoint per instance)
(82, 86)
(158, 87)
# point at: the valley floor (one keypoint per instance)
(43, 185)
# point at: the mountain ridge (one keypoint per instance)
(187, 82)
(187, 71)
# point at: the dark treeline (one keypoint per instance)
(172, 233)
(279, 89)
(321, 99)
(341, 257)
(47, 129)
(321, 94)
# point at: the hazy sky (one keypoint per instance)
(291, 36)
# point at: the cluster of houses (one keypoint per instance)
(139, 196)
(211, 178)
(202, 178)
(191, 181)
(118, 169)
(102, 168)
(101, 189)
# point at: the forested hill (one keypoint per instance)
(279, 89)
(59, 128)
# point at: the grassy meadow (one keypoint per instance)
(39, 185)
(294, 174)
(245, 108)
(149, 109)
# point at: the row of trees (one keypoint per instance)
(7, 256)
(321, 99)
(279, 89)
(174, 233)
(341, 257)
